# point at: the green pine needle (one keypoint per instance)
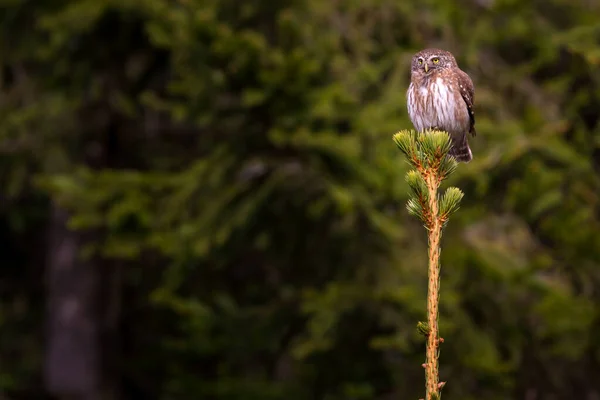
(423, 328)
(417, 184)
(447, 166)
(435, 144)
(415, 208)
(406, 142)
(450, 202)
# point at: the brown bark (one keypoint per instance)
(72, 368)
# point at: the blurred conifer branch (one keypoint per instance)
(427, 153)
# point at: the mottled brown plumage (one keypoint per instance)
(441, 96)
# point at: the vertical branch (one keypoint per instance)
(434, 236)
(427, 152)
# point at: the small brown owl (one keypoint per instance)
(440, 96)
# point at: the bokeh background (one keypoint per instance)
(202, 200)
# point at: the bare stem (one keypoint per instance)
(434, 236)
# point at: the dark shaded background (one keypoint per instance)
(202, 200)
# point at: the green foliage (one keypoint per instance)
(423, 328)
(427, 153)
(427, 150)
(418, 204)
(232, 159)
(449, 202)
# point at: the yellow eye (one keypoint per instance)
(420, 62)
(436, 60)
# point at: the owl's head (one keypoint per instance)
(428, 61)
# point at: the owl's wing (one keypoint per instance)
(467, 91)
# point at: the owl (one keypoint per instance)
(440, 96)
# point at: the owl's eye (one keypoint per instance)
(420, 62)
(436, 60)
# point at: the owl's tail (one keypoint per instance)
(460, 150)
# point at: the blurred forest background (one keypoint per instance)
(202, 200)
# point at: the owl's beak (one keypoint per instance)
(426, 67)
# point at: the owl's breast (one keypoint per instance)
(436, 103)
